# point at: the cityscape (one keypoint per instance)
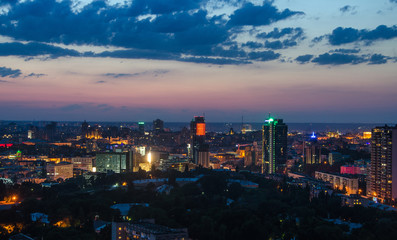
(198, 119)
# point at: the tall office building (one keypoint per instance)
(118, 162)
(274, 145)
(197, 135)
(141, 127)
(383, 169)
(158, 125)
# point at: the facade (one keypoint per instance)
(383, 167)
(338, 181)
(63, 170)
(274, 145)
(313, 154)
(353, 169)
(84, 163)
(118, 162)
(197, 137)
(141, 127)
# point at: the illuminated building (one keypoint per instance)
(274, 145)
(141, 127)
(312, 154)
(338, 181)
(367, 135)
(61, 170)
(84, 163)
(197, 134)
(158, 125)
(383, 167)
(118, 162)
(353, 169)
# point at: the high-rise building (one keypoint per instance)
(197, 134)
(158, 125)
(84, 129)
(274, 145)
(118, 162)
(382, 182)
(141, 127)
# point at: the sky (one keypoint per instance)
(300, 60)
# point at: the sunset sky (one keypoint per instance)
(301, 60)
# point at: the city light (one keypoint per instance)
(149, 157)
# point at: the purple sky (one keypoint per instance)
(301, 60)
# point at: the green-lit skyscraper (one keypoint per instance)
(274, 145)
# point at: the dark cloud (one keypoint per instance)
(37, 75)
(342, 35)
(264, 56)
(34, 49)
(274, 45)
(292, 33)
(348, 8)
(9, 72)
(393, 1)
(218, 61)
(378, 59)
(337, 59)
(253, 15)
(252, 45)
(304, 58)
(117, 75)
(155, 73)
(342, 50)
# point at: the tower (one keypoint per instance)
(197, 135)
(382, 182)
(274, 145)
(141, 127)
(158, 125)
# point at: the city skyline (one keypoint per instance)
(304, 61)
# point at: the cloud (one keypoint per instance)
(9, 72)
(348, 8)
(342, 50)
(252, 45)
(337, 59)
(393, 1)
(378, 59)
(37, 75)
(117, 75)
(264, 56)
(276, 33)
(154, 73)
(342, 35)
(3, 81)
(253, 15)
(34, 49)
(304, 58)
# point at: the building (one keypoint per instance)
(274, 145)
(158, 126)
(312, 154)
(141, 127)
(147, 231)
(84, 163)
(118, 162)
(353, 169)
(62, 170)
(197, 137)
(339, 181)
(383, 168)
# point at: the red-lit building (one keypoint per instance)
(199, 150)
(353, 169)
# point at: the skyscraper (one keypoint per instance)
(141, 127)
(274, 145)
(197, 134)
(383, 169)
(158, 125)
